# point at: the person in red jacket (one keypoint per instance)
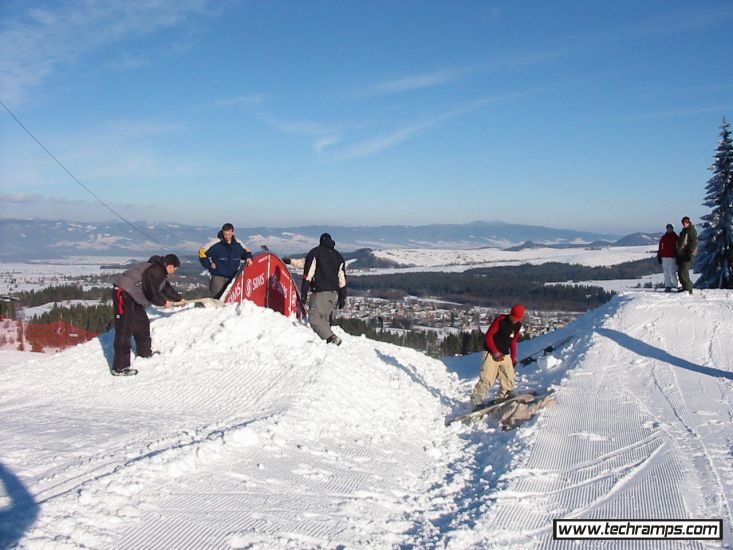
(667, 256)
(500, 355)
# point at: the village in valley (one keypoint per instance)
(442, 317)
(79, 287)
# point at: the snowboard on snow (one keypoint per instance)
(533, 357)
(488, 407)
(527, 397)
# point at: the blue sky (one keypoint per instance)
(589, 115)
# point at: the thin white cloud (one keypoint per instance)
(326, 141)
(323, 135)
(676, 113)
(377, 144)
(112, 151)
(431, 79)
(34, 205)
(39, 41)
(248, 99)
(28, 198)
(417, 81)
(693, 90)
(128, 62)
(668, 23)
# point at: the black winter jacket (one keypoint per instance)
(325, 269)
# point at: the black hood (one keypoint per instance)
(157, 260)
(327, 241)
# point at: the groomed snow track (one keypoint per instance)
(249, 432)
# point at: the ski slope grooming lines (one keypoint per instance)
(248, 431)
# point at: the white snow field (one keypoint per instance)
(247, 431)
(452, 260)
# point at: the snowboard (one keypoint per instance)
(533, 357)
(486, 408)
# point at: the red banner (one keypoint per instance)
(267, 283)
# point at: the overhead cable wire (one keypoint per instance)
(57, 161)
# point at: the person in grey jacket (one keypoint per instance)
(324, 275)
(140, 286)
(686, 251)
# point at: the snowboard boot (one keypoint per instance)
(124, 372)
(333, 339)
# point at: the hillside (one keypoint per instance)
(249, 432)
(451, 260)
(67, 238)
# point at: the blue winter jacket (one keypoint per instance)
(226, 257)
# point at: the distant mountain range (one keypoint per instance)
(635, 239)
(43, 239)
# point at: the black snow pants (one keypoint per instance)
(130, 321)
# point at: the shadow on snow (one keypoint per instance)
(644, 349)
(17, 517)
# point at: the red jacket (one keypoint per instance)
(668, 245)
(502, 337)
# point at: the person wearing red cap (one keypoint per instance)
(500, 355)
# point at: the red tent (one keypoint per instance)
(267, 283)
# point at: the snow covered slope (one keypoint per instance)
(452, 260)
(642, 428)
(247, 429)
(249, 432)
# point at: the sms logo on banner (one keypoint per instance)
(267, 283)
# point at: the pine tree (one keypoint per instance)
(715, 259)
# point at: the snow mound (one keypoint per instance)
(246, 420)
(247, 431)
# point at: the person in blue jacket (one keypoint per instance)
(222, 257)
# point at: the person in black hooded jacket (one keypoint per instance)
(324, 276)
(143, 284)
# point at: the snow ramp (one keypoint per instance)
(246, 431)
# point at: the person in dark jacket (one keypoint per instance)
(324, 275)
(667, 256)
(143, 284)
(686, 251)
(500, 355)
(222, 257)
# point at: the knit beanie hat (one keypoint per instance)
(517, 311)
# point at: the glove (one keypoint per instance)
(659, 258)
(286, 261)
(498, 356)
(304, 288)
(342, 298)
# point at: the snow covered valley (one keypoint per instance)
(247, 431)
